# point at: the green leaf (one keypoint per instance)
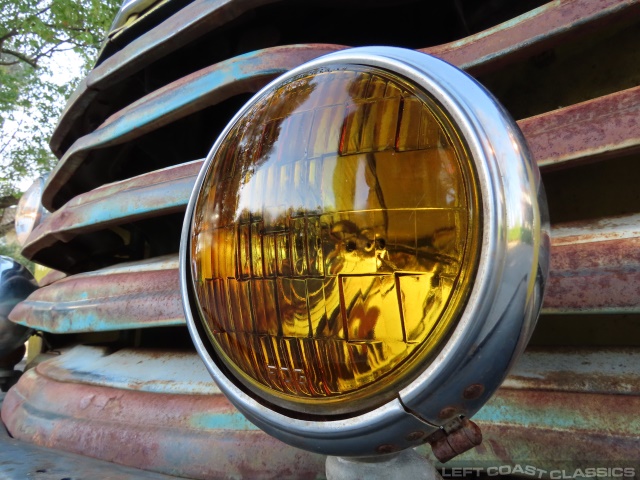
(33, 33)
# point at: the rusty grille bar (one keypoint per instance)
(115, 396)
(593, 270)
(150, 195)
(583, 133)
(247, 73)
(136, 295)
(601, 128)
(147, 415)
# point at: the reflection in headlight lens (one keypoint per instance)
(335, 238)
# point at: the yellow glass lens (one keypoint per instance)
(335, 239)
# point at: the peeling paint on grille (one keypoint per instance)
(196, 436)
(531, 33)
(246, 73)
(591, 273)
(601, 128)
(140, 295)
(153, 194)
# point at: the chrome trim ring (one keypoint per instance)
(504, 302)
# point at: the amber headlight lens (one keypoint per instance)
(335, 238)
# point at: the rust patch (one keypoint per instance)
(457, 442)
(601, 128)
(473, 391)
(153, 431)
(140, 295)
(532, 33)
(594, 276)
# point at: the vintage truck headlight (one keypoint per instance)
(364, 243)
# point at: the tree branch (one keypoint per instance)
(47, 53)
(8, 142)
(19, 56)
(8, 35)
(8, 201)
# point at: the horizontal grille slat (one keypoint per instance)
(197, 436)
(146, 196)
(595, 267)
(144, 396)
(556, 430)
(136, 295)
(542, 28)
(607, 371)
(525, 35)
(590, 273)
(605, 127)
(247, 73)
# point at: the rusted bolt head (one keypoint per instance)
(447, 412)
(387, 449)
(413, 436)
(473, 391)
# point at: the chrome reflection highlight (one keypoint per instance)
(30, 211)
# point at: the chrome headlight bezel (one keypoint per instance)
(504, 302)
(30, 211)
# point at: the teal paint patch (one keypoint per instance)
(567, 417)
(222, 421)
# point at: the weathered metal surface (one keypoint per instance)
(522, 36)
(600, 230)
(189, 23)
(531, 33)
(153, 194)
(134, 295)
(121, 406)
(21, 460)
(594, 269)
(606, 371)
(246, 73)
(191, 435)
(605, 127)
(130, 369)
(553, 430)
(562, 409)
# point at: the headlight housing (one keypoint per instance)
(367, 240)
